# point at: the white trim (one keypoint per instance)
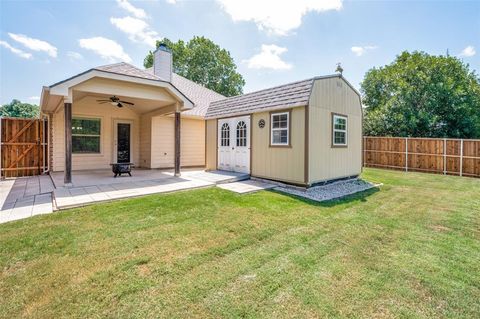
(63, 88)
(86, 117)
(280, 128)
(335, 116)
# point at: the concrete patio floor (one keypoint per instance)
(25, 197)
(29, 196)
(97, 186)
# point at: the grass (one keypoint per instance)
(408, 249)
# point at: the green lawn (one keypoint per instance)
(408, 249)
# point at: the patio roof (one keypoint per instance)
(63, 90)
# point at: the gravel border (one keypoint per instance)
(330, 191)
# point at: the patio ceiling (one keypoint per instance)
(140, 106)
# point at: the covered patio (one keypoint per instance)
(88, 134)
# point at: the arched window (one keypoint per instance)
(241, 134)
(225, 135)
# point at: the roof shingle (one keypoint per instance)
(287, 95)
(198, 94)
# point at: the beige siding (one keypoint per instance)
(326, 163)
(211, 156)
(279, 163)
(88, 107)
(192, 142)
(152, 144)
(145, 141)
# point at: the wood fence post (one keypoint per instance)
(461, 157)
(444, 156)
(364, 152)
(406, 154)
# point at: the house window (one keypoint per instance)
(225, 135)
(279, 125)
(86, 135)
(339, 134)
(241, 134)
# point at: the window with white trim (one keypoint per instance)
(339, 127)
(241, 134)
(225, 135)
(86, 136)
(279, 126)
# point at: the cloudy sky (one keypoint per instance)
(272, 42)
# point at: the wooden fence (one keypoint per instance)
(435, 155)
(24, 147)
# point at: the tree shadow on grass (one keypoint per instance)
(361, 196)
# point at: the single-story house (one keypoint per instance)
(301, 133)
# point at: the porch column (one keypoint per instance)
(68, 144)
(177, 143)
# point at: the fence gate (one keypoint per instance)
(24, 147)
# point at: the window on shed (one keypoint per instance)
(241, 134)
(339, 130)
(279, 125)
(225, 135)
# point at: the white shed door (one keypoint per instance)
(234, 144)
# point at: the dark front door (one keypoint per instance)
(123, 143)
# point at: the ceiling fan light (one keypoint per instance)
(113, 103)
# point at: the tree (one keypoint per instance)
(203, 62)
(19, 109)
(422, 95)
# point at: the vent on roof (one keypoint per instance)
(162, 63)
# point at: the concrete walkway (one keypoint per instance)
(246, 187)
(25, 197)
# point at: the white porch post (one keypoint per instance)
(177, 143)
(68, 144)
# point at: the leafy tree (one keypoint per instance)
(422, 95)
(204, 62)
(19, 109)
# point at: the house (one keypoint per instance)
(86, 134)
(301, 133)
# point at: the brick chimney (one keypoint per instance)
(162, 63)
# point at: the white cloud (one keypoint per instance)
(137, 12)
(35, 44)
(136, 29)
(359, 51)
(269, 58)
(18, 52)
(171, 1)
(74, 55)
(274, 16)
(34, 98)
(106, 48)
(468, 51)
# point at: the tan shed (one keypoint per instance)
(302, 133)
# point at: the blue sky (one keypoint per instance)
(272, 42)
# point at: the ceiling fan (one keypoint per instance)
(115, 101)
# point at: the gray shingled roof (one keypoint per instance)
(198, 94)
(287, 95)
(127, 69)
